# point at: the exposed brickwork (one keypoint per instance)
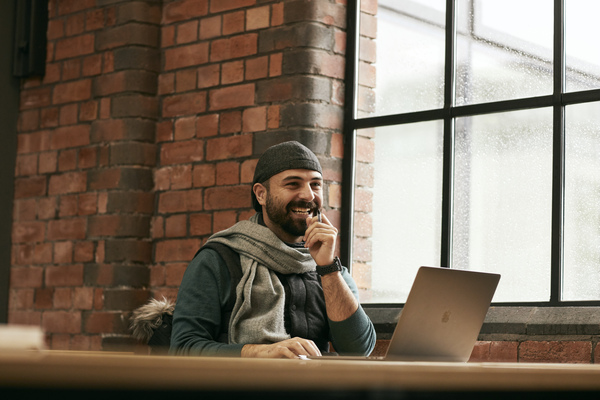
(556, 351)
(141, 141)
(86, 154)
(529, 351)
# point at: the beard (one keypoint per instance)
(281, 215)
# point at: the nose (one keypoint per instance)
(307, 193)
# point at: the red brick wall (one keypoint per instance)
(544, 351)
(528, 351)
(141, 140)
(84, 177)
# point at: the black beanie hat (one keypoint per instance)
(279, 158)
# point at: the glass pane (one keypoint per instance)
(502, 201)
(582, 203)
(581, 44)
(409, 58)
(502, 53)
(400, 220)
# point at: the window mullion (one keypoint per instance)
(350, 112)
(558, 167)
(448, 156)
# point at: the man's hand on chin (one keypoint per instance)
(320, 238)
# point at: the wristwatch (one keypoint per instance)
(327, 269)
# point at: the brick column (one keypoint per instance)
(83, 190)
(239, 76)
(124, 135)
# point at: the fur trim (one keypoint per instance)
(145, 319)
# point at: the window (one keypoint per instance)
(473, 135)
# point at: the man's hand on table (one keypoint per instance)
(290, 348)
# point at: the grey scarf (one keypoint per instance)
(258, 314)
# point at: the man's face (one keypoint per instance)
(292, 196)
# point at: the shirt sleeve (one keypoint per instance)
(204, 292)
(356, 334)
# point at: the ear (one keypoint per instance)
(260, 191)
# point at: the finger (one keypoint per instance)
(317, 219)
(313, 349)
(306, 347)
(284, 352)
(296, 347)
(324, 235)
(311, 223)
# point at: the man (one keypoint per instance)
(294, 297)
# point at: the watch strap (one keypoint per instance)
(328, 269)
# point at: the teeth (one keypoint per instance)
(304, 211)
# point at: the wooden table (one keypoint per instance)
(111, 376)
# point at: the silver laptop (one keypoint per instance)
(442, 316)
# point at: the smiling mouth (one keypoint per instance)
(305, 212)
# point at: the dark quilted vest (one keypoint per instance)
(305, 314)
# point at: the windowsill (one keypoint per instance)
(513, 323)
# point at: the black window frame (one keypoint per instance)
(558, 100)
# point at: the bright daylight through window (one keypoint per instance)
(484, 129)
